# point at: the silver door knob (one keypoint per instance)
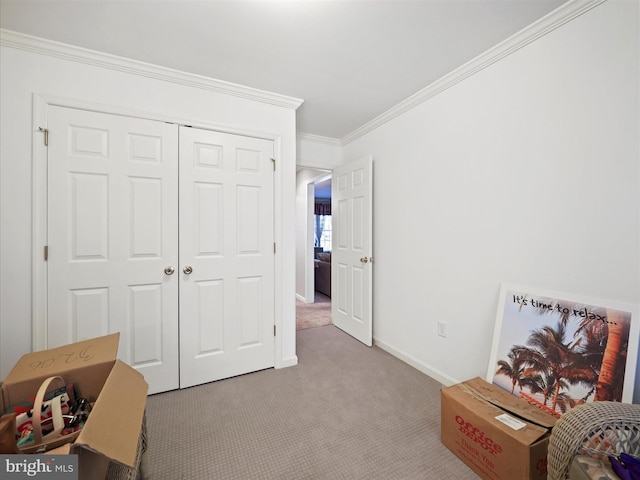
(364, 259)
(187, 269)
(168, 270)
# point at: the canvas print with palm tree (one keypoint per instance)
(557, 352)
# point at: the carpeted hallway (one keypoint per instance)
(345, 411)
(311, 315)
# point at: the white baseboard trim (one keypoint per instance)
(434, 373)
(287, 362)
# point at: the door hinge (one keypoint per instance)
(273, 161)
(274, 247)
(274, 330)
(46, 135)
(46, 253)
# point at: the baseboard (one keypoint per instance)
(434, 373)
(287, 362)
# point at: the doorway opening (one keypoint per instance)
(322, 235)
(351, 254)
(313, 303)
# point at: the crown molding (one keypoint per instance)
(558, 17)
(73, 53)
(334, 142)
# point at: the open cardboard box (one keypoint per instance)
(119, 392)
(499, 436)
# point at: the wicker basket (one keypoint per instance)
(597, 429)
(122, 472)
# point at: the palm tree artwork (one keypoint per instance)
(514, 367)
(558, 354)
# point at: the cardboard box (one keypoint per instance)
(119, 392)
(499, 436)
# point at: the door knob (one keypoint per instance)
(168, 270)
(187, 269)
(364, 259)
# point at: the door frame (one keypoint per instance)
(41, 105)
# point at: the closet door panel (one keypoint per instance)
(226, 246)
(112, 228)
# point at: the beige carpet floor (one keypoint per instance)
(346, 411)
(311, 315)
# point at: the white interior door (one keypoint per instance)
(226, 255)
(352, 249)
(112, 232)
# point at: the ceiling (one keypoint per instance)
(349, 60)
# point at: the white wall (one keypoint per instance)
(318, 152)
(527, 172)
(304, 244)
(24, 74)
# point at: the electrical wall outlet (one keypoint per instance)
(442, 328)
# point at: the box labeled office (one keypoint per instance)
(499, 436)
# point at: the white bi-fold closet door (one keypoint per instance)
(164, 234)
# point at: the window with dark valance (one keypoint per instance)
(323, 208)
(322, 218)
